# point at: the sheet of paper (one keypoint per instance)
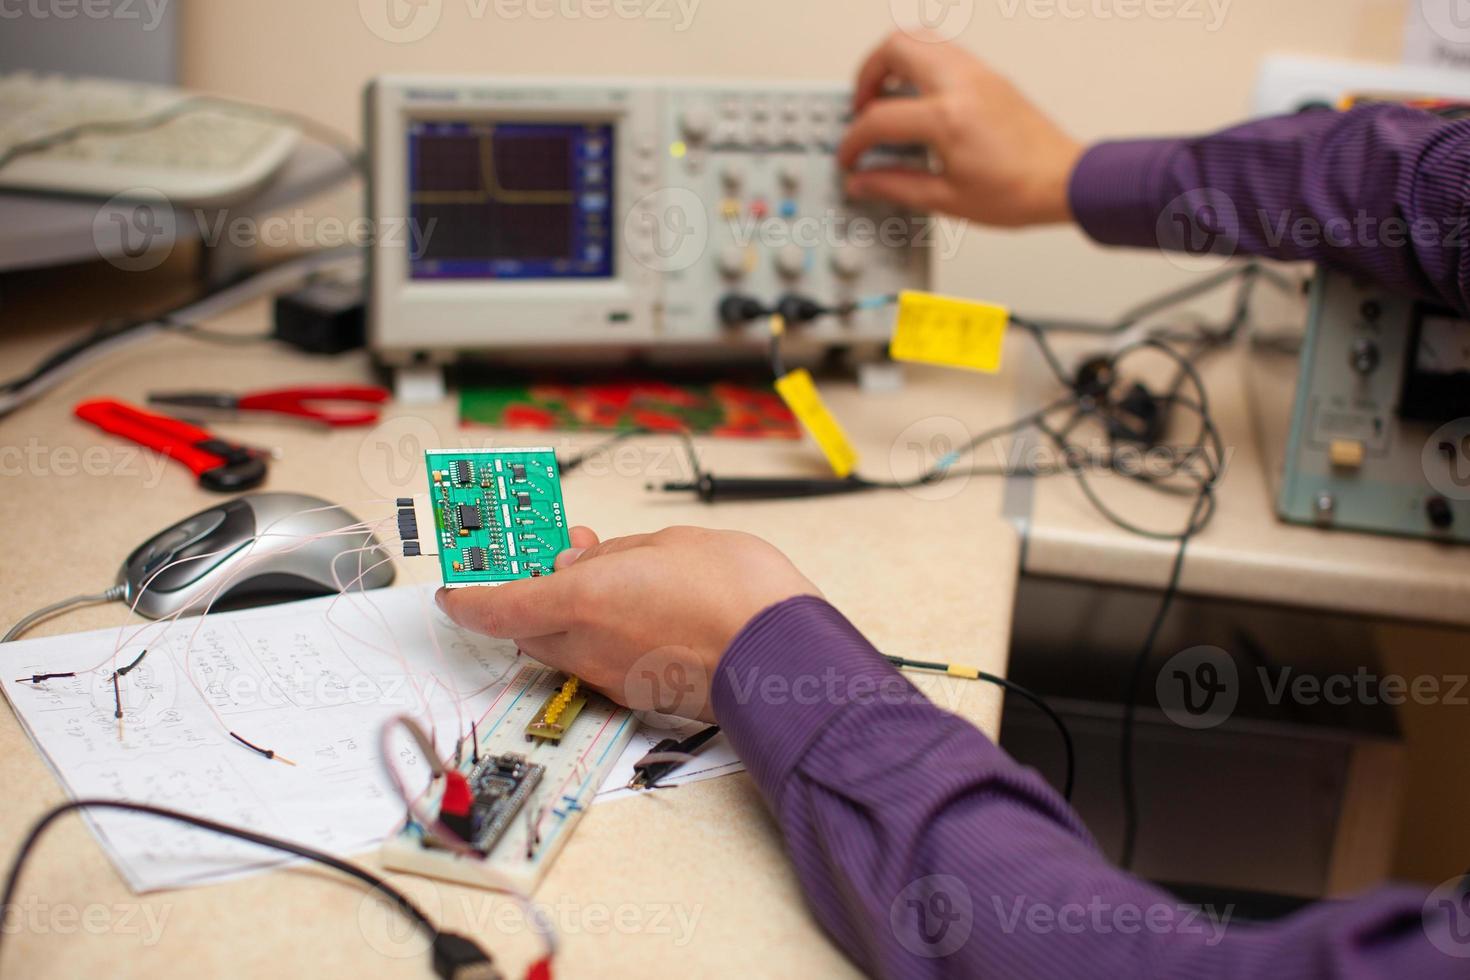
(314, 681)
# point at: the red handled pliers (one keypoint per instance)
(306, 403)
(220, 465)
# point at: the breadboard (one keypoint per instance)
(575, 768)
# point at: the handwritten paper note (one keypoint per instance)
(313, 681)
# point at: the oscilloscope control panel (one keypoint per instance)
(555, 214)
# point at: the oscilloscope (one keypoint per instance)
(517, 214)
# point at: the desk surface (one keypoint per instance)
(685, 882)
(681, 882)
(1246, 553)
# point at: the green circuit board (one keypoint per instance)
(497, 513)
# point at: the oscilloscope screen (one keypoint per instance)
(510, 200)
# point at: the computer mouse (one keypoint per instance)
(259, 547)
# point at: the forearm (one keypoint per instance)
(1382, 191)
(926, 852)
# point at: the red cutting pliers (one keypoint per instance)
(306, 403)
(220, 465)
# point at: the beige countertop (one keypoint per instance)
(685, 882)
(691, 881)
(1247, 553)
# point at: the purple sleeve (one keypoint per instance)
(1382, 191)
(926, 852)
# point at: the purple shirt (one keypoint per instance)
(1382, 191)
(925, 851)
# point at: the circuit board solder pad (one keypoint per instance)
(497, 513)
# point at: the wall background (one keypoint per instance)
(1102, 75)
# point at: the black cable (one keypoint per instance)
(941, 468)
(1015, 688)
(13, 392)
(649, 776)
(1140, 662)
(104, 332)
(1248, 273)
(573, 463)
(1090, 405)
(778, 363)
(124, 671)
(12, 880)
(112, 329)
(1047, 352)
(267, 753)
(214, 336)
(38, 678)
(454, 956)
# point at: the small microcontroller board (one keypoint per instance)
(500, 785)
(528, 794)
(491, 515)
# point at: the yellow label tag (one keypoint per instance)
(949, 332)
(801, 396)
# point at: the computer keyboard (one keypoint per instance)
(205, 155)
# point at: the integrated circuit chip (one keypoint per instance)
(497, 514)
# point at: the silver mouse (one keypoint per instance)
(275, 567)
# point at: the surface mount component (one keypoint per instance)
(491, 515)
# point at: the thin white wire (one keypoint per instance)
(360, 528)
(397, 652)
(166, 622)
(217, 592)
(250, 547)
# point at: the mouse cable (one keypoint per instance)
(114, 594)
(975, 674)
(456, 957)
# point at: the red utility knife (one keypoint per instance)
(220, 465)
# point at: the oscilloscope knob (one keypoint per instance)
(731, 261)
(847, 262)
(791, 260)
(733, 175)
(696, 123)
